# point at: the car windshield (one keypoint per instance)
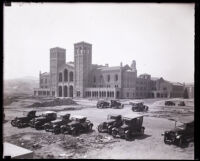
(180, 125)
(112, 117)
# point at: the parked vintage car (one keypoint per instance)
(38, 123)
(169, 103)
(103, 104)
(116, 104)
(112, 121)
(182, 133)
(21, 122)
(54, 126)
(78, 124)
(132, 126)
(181, 103)
(139, 106)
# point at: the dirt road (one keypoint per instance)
(95, 145)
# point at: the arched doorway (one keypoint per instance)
(65, 75)
(71, 91)
(117, 94)
(65, 91)
(60, 77)
(60, 91)
(71, 76)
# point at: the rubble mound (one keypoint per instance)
(55, 102)
(9, 100)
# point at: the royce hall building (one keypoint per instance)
(82, 79)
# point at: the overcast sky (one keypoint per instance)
(160, 37)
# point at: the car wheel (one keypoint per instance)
(142, 131)
(56, 131)
(74, 132)
(127, 136)
(166, 142)
(100, 128)
(20, 125)
(180, 142)
(110, 131)
(90, 128)
(13, 123)
(62, 130)
(114, 133)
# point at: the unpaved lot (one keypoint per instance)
(96, 145)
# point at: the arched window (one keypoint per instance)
(60, 77)
(70, 91)
(60, 91)
(108, 78)
(116, 77)
(65, 91)
(71, 76)
(65, 75)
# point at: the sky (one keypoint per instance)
(159, 36)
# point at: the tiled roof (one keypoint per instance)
(155, 78)
(176, 83)
(45, 73)
(109, 68)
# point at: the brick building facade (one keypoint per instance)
(81, 78)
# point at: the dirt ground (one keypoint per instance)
(96, 145)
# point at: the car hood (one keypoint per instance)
(40, 118)
(124, 127)
(73, 123)
(110, 121)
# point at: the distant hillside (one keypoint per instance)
(20, 85)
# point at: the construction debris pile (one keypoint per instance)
(55, 102)
(72, 147)
(9, 100)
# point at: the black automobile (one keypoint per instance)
(181, 134)
(103, 104)
(38, 123)
(21, 122)
(78, 124)
(181, 103)
(116, 104)
(138, 106)
(112, 121)
(132, 126)
(54, 126)
(169, 103)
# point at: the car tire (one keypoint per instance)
(62, 130)
(56, 131)
(142, 131)
(127, 136)
(180, 142)
(74, 132)
(166, 142)
(90, 127)
(13, 123)
(110, 131)
(100, 128)
(114, 133)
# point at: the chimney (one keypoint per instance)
(121, 64)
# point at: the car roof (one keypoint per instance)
(64, 114)
(131, 116)
(47, 112)
(78, 116)
(58, 120)
(136, 101)
(185, 119)
(114, 115)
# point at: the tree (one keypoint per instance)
(185, 94)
